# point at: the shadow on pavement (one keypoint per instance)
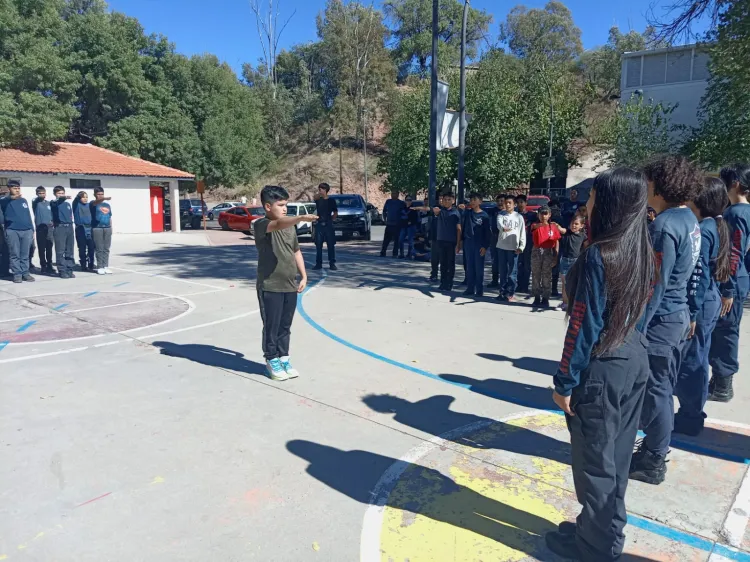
(211, 356)
(522, 394)
(426, 492)
(534, 364)
(434, 416)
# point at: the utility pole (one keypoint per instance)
(462, 108)
(433, 106)
(551, 125)
(341, 165)
(364, 148)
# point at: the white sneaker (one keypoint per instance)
(275, 370)
(108, 271)
(291, 372)
(101, 271)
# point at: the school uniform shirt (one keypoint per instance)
(16, 213)
(277, 267)
(738, 219)
(476, 226)
(493, 213)
(62, 212)
(447, 221)
(676, 238)
(81, 213)
(325, 209)
(392, 211)
(571, 244)
(42, 211)
(515, 237)
(101, 214)
(703, 282)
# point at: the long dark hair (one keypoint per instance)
(712, 202)
(619, 230)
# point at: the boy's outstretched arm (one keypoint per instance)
(286, 222)
(300, 261)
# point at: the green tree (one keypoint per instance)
(411, 24)
(37, 83)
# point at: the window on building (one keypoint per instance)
(633, 72)
(678, 66)
(654, 67)
(4, 182)
(700, 65)
(79, 184)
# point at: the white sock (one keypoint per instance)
(284, 359)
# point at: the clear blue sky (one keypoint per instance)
(226, 28)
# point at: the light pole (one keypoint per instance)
(433, 106)
(462, 108)
(551, 123)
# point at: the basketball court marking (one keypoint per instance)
(148, 274)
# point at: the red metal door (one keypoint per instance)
(157, 209)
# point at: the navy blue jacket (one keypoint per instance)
(676, 238)
(392, 211)
(81, 213)
(447, 221)
(476, 226)
(62, 212)
(42, 211)
(16, 214)
(738, 219)
(492, 213)
(568, 210)
(702, 285)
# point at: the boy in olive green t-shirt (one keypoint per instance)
(279, 261)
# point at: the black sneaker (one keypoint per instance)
(688, 425)
(501, 297)
(17, 279)
(564, 545)
(567, 528)
(64, 275)
(333, 267)
(545, 303)
(722, 390)
(28, 278)
(648, 467)
(494, 285)
(71, 275)
(317, 267)
(468, 293)
(537, 302)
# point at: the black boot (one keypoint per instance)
(648, 467)
(721, 389)
(494, 284)
(688, 425)
(563, 544)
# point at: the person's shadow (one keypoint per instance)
(212, 356)
(534, 364)
(426, 492)
(434, 416)
(522, 394)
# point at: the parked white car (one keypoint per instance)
(301, 208)
(225, 206)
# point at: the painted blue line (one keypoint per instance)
(676, 535)
(3, 344)
(91, 294)
(61, 306)
(121, 284)
(26, 326)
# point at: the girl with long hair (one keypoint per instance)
(726, 337)
(601, 380)
(704, 301)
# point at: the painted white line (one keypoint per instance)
(130, 339)
(735, 523)
(170, 278)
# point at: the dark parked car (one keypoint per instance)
(375, 216)
(354, 218)
(190, 213)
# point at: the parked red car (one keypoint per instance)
(240, 218)
(535, 202)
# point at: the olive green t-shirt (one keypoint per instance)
(277, 270)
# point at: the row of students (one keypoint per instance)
(56, 224)
(653, 304)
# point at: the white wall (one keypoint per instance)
(686, 95)
(131, 211)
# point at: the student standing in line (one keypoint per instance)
(673, 181)
(4, 257)
(392, 217)
(499, 206)
(546, 237)
(571, 244)
(434, 253)
(45, 229)
(101, 230)
(476, 235)
(725, 343)
(409, 222)
(704, 303)
(524, 260)
(601, 380)
(84, 236)
(19, 231)
(511, 243)
(62, 218)
(327, 211)
(279, 262)
(448, 236)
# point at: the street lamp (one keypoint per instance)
(433, 106)
(462, 107)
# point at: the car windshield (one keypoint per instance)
(291, 211)
(538, 201)
(348, 202)
(257, 211)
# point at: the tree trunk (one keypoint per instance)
(341, 164)
(364, 149)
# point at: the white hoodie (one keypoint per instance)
(512, 231)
